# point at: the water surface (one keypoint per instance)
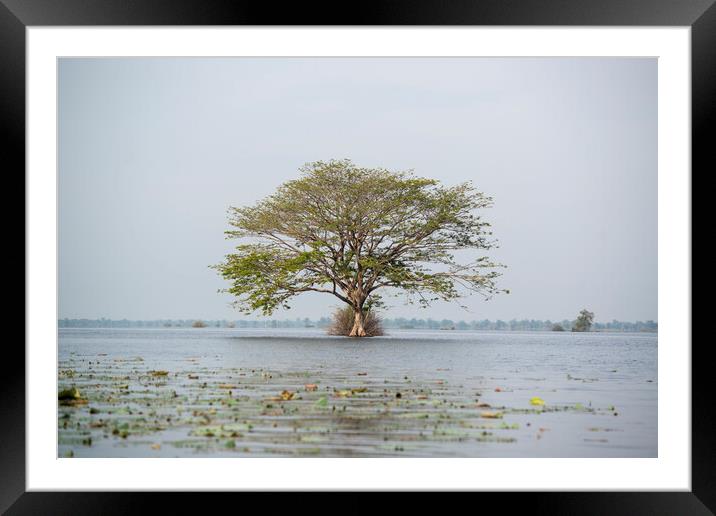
(245, 392)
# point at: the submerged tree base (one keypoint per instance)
(345, 321)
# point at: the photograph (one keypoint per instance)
(314, 257)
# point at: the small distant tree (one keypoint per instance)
(198, 324)
(349, 231)
(557, 327)
(584, 321)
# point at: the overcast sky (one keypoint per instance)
(153, 152)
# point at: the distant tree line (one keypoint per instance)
(396, 323)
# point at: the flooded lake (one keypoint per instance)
(201, 392)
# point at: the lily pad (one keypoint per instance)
(287, 395)
(70, 394)
(71, 397)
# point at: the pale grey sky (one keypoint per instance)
(153, 151)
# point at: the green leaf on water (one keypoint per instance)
(69, 394)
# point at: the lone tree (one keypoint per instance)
(584, 321)
(350, 232)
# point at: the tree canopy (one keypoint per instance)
(349, 231)
(584, 321)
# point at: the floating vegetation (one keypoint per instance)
(71, 397)
(218, 410)
(69, 394)
(287, 395)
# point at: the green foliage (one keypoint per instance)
(350, 231)
(584, 321)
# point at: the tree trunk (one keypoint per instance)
(358, 324)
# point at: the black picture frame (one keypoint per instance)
(16, 15)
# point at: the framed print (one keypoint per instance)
(427, 248)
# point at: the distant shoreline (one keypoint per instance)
(390, 324)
